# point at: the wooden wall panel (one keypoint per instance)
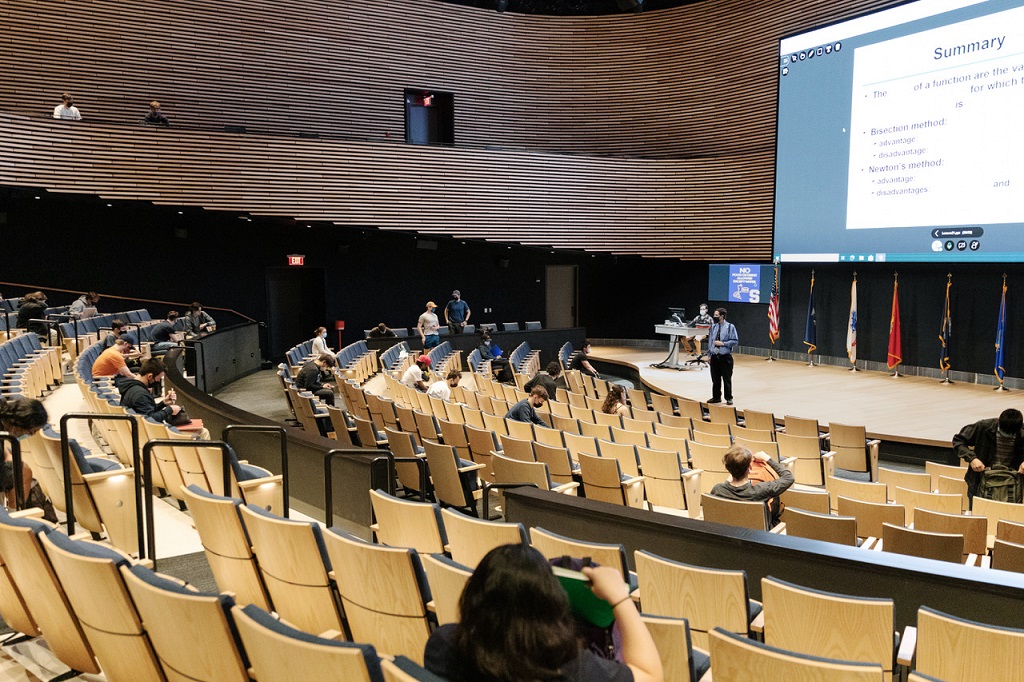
(687, 93)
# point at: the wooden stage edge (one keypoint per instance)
(909, 410)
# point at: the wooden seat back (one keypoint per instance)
(914, 499)
(909, 480)
(855, 490)
(664, 481)
(853, 450)
(809, 468)
(808, 500)
(737, 658)
(447, 580)
(381, 595)
(708, 597)
(871, 516)
(973, 528)
(227, 547)
(471, 539)
(558, 461)
(517, 448)
(401, 523)
(841, 530)
(553, 546)
(602, 479)
(1008, 556)
(950, 648)
(753, 515)
(938, 546)
(827, 624)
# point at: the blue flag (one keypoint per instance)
(1000, 333)
(811, 328)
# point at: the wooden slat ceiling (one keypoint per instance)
(691, 90)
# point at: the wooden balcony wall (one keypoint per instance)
(692, 90)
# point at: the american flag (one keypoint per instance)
(773, 309)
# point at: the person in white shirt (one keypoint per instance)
(67, 109)
(413, 377)
(320, 343)
(442, 388)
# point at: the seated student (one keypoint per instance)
(413, 377)
(517, 624)
(381, 331)
(20, 417)
(164, 334)
(197, 321)
(489, 350)
(83, 303)
(738, 460)
(311, 377)
(442, 388)
(31, 312)
(137, 394)
(580, 362)
(320, 346)
(551, 379)
(116, 329)
(615, 402)
(113, 361)
(67, 109)
(689, 345)
(526, 409)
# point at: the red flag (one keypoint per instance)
(895, 343)
(773, 309)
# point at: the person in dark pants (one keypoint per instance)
(456, 313)
(311, 378)
(988, 442)
(722, 341)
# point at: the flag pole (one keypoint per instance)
(853, 321)
(999, 338)
(895, 288)
(811, 315)
(947, 320)
(773, 302)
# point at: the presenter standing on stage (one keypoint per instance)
(722, 340)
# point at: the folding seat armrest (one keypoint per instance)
(779, 529)
(788, 463)
(471, 467)
(103, 475)
(257, 482)
(757, 625)
(30, 513)
(828, 461)
(632, 480)
(333, 634)
(908, 644)
(565, 487)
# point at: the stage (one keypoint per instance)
(912, 410)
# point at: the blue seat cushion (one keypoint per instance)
(100, 464)
(87, 549)
(415, 671)
(24, 522)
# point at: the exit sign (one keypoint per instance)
(296, 259)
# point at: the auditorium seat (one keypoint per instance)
(400, 523)
(447, 580)
(390, 614)
(555, 546)
(734, 657)
(951, 648)
(455, 481)
(603, 480)
(841, 530)
(753, 515)
(973, 528)
(277, 651)
(871, 516)
(207, 648)
(669, 486)
(854, 450)
(219, 523)
(470, 539)
(938, 546)
(909, 480)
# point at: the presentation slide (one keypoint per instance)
(899, 136)
(738, 282)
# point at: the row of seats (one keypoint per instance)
(27, 367)
(91, 329)
(355, 361)
(404, 332)
(102, 611)
(793, 622)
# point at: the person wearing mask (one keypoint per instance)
(580, 363)
(456, 313)
(526, 409)
(137, 395)
(722, 341)
(516, 623)
(116, 330)
(490, 352)
(428, 327)
(66, 109)
(442, 388)
(320, 343)
(21, 418)
(81, 304)
(692, 346)
(311, 377)
(413, 377)
(32, 312)
(113, 361)
(197, 321)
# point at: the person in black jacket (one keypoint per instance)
(311, 378)
(137, 394)
(551, 379)
(988, 442)
(33, 307)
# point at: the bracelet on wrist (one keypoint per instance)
(623, 600)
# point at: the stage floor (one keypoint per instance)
(907, 409)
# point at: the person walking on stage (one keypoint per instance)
(722, 340)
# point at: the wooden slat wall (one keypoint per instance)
(695, 81)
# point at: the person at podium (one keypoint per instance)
(692, 345)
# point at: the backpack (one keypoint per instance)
(604, 642)
(761, 473)
(1000, 484)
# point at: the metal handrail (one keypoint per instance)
(254, 428)
(19, 488)
(331, 455)
(145, 530)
